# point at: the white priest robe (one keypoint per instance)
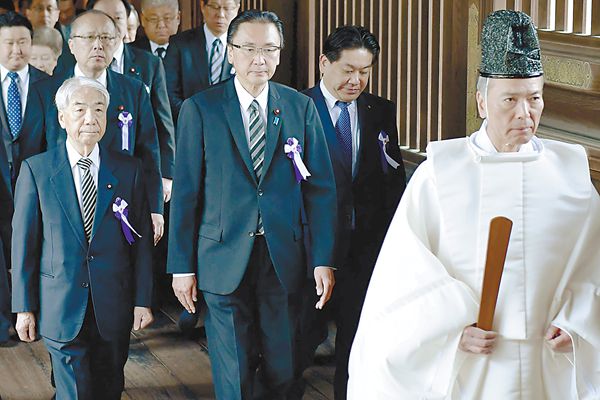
(427, 281)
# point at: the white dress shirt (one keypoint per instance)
(101, 78)
(119, 59)
(23, 83)
(74, 156)
(154, 46)
(334, 113)
(210, 38)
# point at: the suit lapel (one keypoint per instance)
(201, 60)
(231, 108)
(107, 187)
(272, 129)
(112, 113)
(364, 112)
(130, 67)
(64, 188)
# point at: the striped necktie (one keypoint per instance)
(160, 51)
(14, 105)
(344, 131)
(88, 195)
(216, 61)
(257, 147)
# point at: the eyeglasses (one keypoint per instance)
(105, 39)
(40, 9)
(226, 9)
(252, 51)
(156, 20)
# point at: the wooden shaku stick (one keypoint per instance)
(500, 228)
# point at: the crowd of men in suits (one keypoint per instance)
(271, 197)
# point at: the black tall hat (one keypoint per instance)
(510, 46)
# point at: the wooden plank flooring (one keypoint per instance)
(162, 365)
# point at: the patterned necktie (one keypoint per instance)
(160, 51)
(343, 130)
(257, 147)
(14, 105)
(216, 62)
(88, 195)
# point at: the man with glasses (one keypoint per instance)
(42, 13)
(251, 155)
(130, 122)
(160, 20)
(197, 58)
(21, 136)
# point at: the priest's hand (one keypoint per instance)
(142, 317)
(325, 280)
(167, 188)
(558, 340)
(158, 226)
(477, 341)
(185, 290)
(25, 326)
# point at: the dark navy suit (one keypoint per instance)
(250, 283)
(83, 293)
(30, 141)
(366, 200)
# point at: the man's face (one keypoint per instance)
(43, 13)
(15, 47)
(160, 23)
(255, 62)
(43, 58)
(347, 77)
(93, 42)
(66, 11)
(514, 108)
(85, 117)
(116, 10)
(132, 26)
(217, 14)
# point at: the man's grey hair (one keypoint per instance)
(145, 4)
(70, 86)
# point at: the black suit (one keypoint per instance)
(126, 94)
(13, 151)
(366, 200)
(186, 64)
(149, 69)
(142, 42)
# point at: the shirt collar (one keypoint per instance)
(101, 78)
(210, 38)
(118, 55)
(154, 46)
(74, 156)
(246, 98)
(23, 73)
(330, 100)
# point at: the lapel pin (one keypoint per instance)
(276, 119)
(132, 69)
(109, 186)
(121, 108)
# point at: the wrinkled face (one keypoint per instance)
(43, 58)
(116, 10)
(255, 61)
(85, 117)
(132, 26)
(160, 23)
(66, 10)
(15, 47)
(218, 14)
(347, 77)
(514, 109)
(43, 13)
(93, 42)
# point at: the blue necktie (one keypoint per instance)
(14, 105)
(343, 130)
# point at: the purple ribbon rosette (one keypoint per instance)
(121, 212)
(293, 149)
(383, 141)
(125, 122)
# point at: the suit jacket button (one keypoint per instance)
(251, 234)
(91, 258)
(260, 192)
(85, 285)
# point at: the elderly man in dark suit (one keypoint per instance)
(160, 20)
(197, 58)
(21, 135)
(82, 250)
(131, 128)
(251, 154)
(362, 139)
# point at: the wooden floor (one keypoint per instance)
(162, 365)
